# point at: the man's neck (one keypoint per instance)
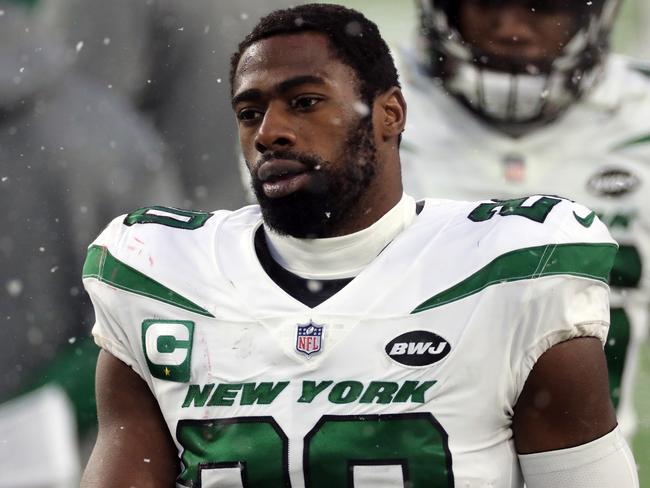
(344, 256)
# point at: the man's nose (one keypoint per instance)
(276, 130)
(513, 24)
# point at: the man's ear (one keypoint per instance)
(391, 116)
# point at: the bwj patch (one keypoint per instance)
(309, 339)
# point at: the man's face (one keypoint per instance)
(534, 31)
(310, 150)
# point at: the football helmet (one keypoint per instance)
(515, 94)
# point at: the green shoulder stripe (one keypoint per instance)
(102, 265)
(585, 260)
(642, 68)
(636, 141)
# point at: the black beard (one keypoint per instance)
(319, 211)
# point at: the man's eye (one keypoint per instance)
(304, 103)
(249, 115)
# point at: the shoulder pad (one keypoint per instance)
(539, 219)
(142, 253)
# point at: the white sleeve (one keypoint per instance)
(572, 303)
(555, 309)
(109, 330)
(603, 463)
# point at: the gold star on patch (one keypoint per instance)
(167, 371)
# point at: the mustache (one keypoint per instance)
(309, 160)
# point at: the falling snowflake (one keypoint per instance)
(361, 108)
(314, 286)
(532, 69)
(79, 46)
(14, 287)
(35, 336)
(353, 29)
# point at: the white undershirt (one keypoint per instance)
(340, 257)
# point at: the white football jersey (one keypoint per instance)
(598, 153)
(405, 377)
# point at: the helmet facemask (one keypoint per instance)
(514, 94)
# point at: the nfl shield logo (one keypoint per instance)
(309, 339)
(514, 168)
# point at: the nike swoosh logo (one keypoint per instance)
(585, 221)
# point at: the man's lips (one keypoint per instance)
(281, 177)
(278, 168)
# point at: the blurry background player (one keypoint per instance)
(71, 154)
(508, 98)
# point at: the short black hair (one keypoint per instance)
(353, 38)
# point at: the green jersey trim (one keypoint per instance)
(644, 69)
(585, 260)
(102, 265)
(645, 139)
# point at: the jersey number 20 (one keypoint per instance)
(404, 450)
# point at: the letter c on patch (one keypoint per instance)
(167, 347)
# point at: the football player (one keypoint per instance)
(509, 98)
(340, 333)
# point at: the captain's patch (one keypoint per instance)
(167, 346)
